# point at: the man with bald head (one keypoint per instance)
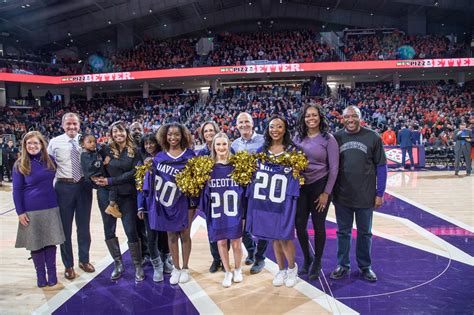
(250, 141)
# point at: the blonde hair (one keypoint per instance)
(213, 150)
(129, 143)
(23, 164)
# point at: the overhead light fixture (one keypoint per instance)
(371, 13)
(79, 61)
(151, 11)
(436, 3)
(165, 25)
(72, 40)
(23, 7)
(108, 41)
(109, 21)
(27, 5)
(68, 33)
(250, 3)
(205, 18)
(328, 8)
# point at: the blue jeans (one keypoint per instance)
(410, 155)
(128, 207)
(345, 218)
(75, 201)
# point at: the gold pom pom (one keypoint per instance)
(295, 159)
(245, 165)
(141, 172)
(192, 178)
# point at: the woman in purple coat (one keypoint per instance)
(40, 228)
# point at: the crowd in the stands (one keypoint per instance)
(297, 46)
(434, 109)
(393, 45)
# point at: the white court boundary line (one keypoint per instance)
(432, 211)
(193, 291)
(74, 286)
(196, 294)
(422, 231)
(325, 300)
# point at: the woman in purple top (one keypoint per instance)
(322, 152)
(40, 228)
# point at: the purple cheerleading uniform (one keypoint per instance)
(168, 206)
(222, 201)
(272, 198)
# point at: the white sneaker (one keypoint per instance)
(184, 277)
(175, 276)
(279, 278)
(292, 276)
(227, 280)
(238, 275)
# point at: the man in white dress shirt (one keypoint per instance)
(73, 193)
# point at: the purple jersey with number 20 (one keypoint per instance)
(272, 198)
(168, 206)
(221, 201)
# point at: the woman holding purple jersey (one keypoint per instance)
(222, 201)
(277, 141)
(322, 152)
(40, 228)
(174, 211)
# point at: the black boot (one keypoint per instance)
(136, 253)
(306, 265)
(315, 269)
(114, 250)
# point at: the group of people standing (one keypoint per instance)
(347, 168)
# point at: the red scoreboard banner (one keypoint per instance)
(248, 69)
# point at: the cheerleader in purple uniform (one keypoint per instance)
(222, 201)
(173, 211)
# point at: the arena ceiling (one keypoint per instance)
(53, 24)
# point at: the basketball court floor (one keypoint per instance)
(423, 249)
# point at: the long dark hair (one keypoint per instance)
(287, 143)
(323, 122)
(186, 140)
(150, 137)
(129, 143)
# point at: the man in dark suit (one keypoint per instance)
(462, 147)
(405, 140)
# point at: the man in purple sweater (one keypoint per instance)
(359, 189)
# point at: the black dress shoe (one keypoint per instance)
(339, 273)
(257, 266)
(369, 275)
(215, 266)
(306, 265)
(315, 270)
(249, 260)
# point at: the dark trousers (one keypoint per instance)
(9, 169)
(157, 240)
(306, 206)
(75, 201)
(143, 236)
(458, 153)
(128, 207)
(410, 155)
(250, 245)
(345, 217)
